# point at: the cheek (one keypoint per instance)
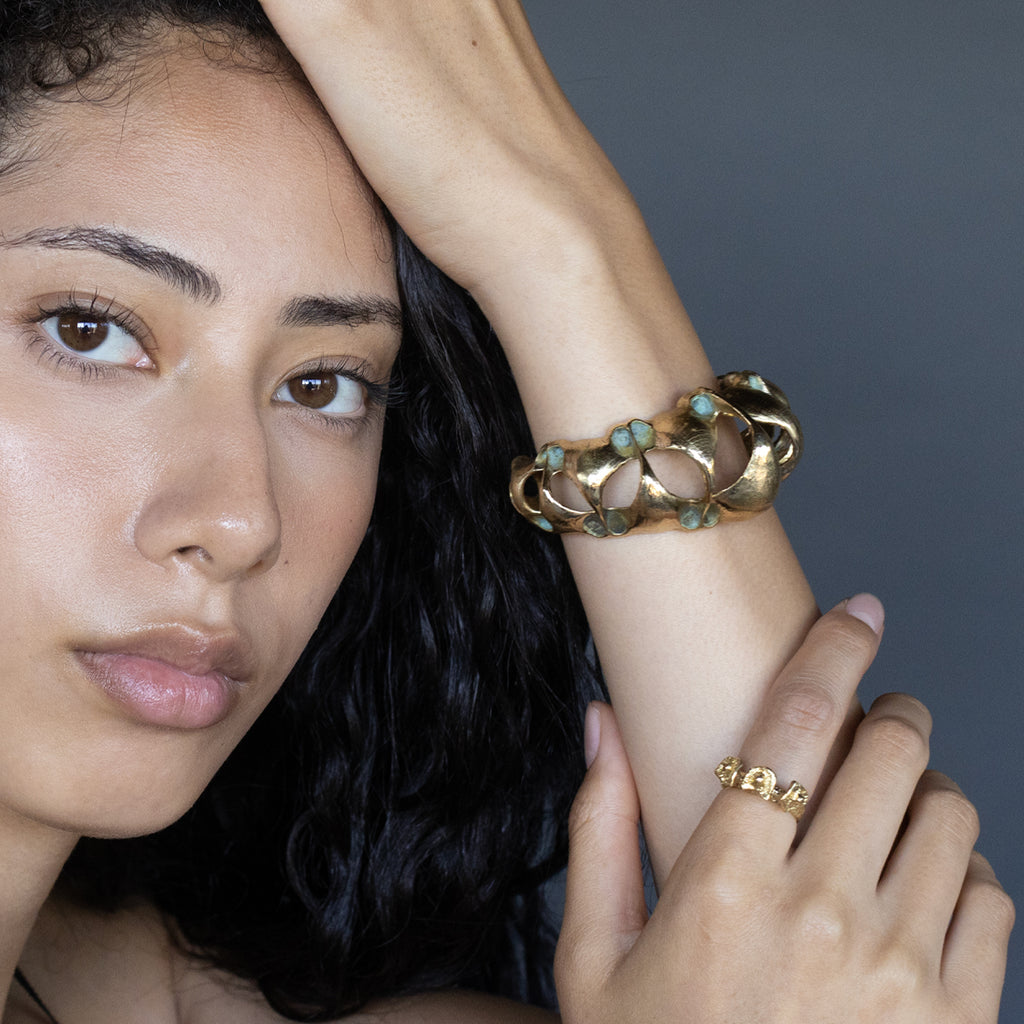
(60, 495)
(323, 525)
(71, 486)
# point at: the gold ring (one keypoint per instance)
(763, 782)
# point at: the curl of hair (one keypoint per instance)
(386, 825)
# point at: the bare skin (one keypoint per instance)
(849, 918)
(694, 627)
(453, 102)
(563, 264)
(913, 928)
(168, 500)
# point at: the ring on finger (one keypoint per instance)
(764, 783)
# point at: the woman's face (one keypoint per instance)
(193, 283)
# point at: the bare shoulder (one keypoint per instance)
(209, 996)
(96, 968)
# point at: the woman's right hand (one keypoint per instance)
(877, 910)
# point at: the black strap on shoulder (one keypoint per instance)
(20, 978)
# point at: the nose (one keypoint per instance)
(211, 506)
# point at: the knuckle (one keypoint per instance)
(825, 922)
(810, 704)
(907, 706)
(846, 639)
(722, 894)
(901, 967)
(719, 883)
(573, 980)
(567, 964)
(897, 743)
(957, 815)
(997, 905)
(595, 812)
(723, 888)
(586, 807)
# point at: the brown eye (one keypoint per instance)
(332, 394)
(92, 336)
(314, 391)
(81, 333)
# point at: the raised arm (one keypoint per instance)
(456, 121)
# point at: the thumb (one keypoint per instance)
(604, 895)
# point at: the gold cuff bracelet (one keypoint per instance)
(769, 431)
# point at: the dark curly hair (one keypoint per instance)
(386, 825)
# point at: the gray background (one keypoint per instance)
(838, 190)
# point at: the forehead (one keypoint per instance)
(238, 169)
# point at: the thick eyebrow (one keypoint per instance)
(350, 311)
(177, 271)
(200, 284)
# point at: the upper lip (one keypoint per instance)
(191, 649)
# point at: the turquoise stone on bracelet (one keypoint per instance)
(618, 524)
(643, 433)
(702, 405)
(554, 457)
(763, 415)
(690, 517)
(693, 517)
(622, 441)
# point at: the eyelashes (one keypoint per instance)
(99, 338)
(94, 335)
(69, 332)
(339, 392)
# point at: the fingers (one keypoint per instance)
(861, 814)
(974, 963)
(604, 898)
(803, 714)
(925, 874)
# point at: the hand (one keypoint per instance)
(878, 912)
(455, 119)
(453, 116)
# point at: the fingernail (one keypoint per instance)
(591, 733)
(868, 609)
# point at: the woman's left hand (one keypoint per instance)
(879, 913)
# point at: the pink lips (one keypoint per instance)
(172, 678)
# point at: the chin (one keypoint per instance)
(121, 821)
(131, 823)
(109, 801)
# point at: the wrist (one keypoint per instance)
(593, 330)
(564, 239)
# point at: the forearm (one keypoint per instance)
(690, 631)
(457, 123)
(690, 627)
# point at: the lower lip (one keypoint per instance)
(156, 693)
